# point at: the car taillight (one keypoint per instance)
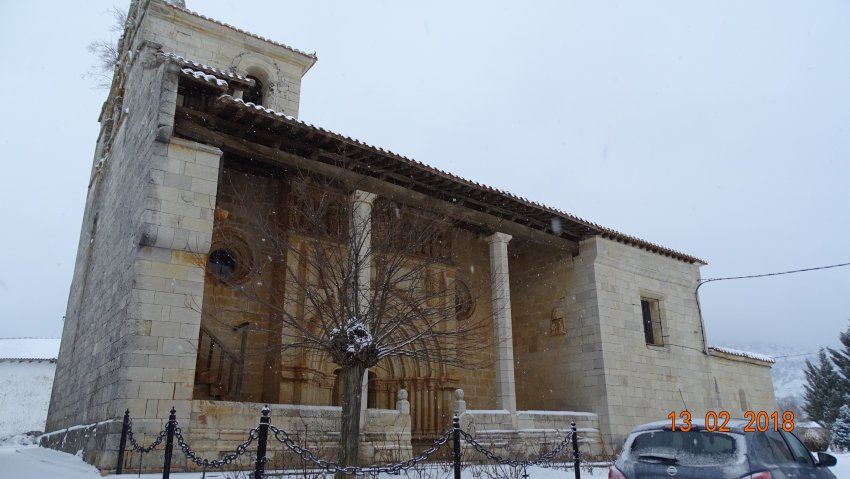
(759, 475)
(615, 473)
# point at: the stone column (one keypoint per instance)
(361, 246)
(504, 344)
(364, 399)
(361, 242)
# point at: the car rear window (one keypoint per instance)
(696, 448)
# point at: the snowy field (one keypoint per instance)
(32, 462)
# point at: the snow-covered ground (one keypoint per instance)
(33, 462)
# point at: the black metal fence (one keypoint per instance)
(260, 434)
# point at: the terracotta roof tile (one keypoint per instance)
(743, 354)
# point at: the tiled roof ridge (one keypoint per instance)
(259, 37)
(185, 62)
(205, 77)
(744, 354)
(24, 337)
(28, 360)
(598, 229)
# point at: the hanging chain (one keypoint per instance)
(137, 447)
(543, 460)
(214, 463)
(333, 467)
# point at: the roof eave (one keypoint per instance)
(590, 228)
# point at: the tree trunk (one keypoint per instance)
(352, 391)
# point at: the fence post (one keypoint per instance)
(262, 438)
(169, 443)
(122, 446)
(576, 459)
(456, 444)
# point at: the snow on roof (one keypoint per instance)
(596, 228)
(205, 77)
(744, 354)
(29, 348)
(734, 423)
(217, 22)
(557, 413)
(218, 72)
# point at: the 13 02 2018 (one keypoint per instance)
(718, 421)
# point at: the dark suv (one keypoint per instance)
(655, 451)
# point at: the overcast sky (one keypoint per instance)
(718, 128)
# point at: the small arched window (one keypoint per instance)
(255, 94)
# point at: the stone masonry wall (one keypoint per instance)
(478, 378)
(644, 382)
(580, 346)
(219, 426)
(169, 280)
(742, 385)
(130, 341)
(527, 433)
(557, 339)
(97, 329)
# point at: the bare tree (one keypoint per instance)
(366, 279)
(107, 52)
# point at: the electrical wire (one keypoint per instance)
(794, 355)
(816, 268)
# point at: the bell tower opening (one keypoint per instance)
(256, 94)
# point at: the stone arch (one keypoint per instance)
(267, 71)
(316, 379)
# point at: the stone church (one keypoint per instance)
(588, 324)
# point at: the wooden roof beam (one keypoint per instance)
(184, 126)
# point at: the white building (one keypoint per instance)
(27, 366)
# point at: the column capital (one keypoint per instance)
(498, 237)
(360, 196)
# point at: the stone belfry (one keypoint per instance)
(132, 324)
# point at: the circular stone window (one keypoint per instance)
(222, 264)
(464, 303)
(231, 259)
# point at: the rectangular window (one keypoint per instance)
(651, 312)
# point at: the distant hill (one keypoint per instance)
(788, 372)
